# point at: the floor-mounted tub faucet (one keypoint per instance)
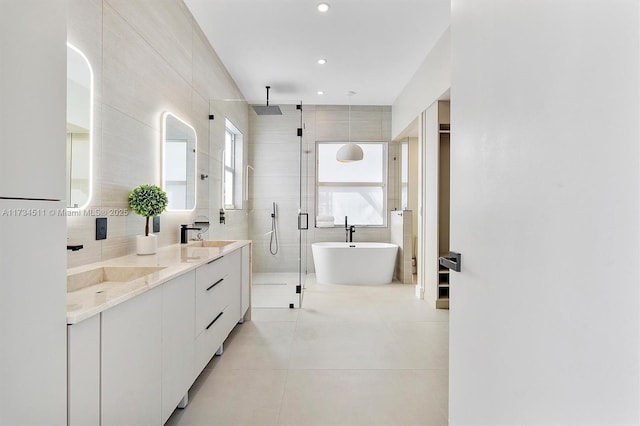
(348, 231)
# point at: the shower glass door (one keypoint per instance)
(278, 166)
(303, 215)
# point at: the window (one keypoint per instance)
(232, 167)
(404, 174)
(356, 190)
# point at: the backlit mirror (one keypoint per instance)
(179, 163)
(79, 128)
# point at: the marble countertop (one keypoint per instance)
(86, 299)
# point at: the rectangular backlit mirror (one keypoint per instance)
(79, 128)
(179, 162)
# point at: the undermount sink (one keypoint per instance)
(211, 243)
(108, 274)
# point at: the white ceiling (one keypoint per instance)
(372, 47)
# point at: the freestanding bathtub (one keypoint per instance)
(354, 263)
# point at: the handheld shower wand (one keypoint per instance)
(273, 241)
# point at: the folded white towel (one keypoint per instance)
(324, 224)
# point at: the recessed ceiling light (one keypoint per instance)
(323, 7)
(320, 92)
(322, 61)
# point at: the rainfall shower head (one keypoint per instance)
(267, 109)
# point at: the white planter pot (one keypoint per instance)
(146, 244)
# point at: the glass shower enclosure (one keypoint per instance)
(277, 176)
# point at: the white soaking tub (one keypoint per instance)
(354, 263)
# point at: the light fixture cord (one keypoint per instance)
(349, 118)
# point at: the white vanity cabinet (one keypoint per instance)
(133, 363)
(131, 376)
(217, 305)
(83, 374)
(178, 348)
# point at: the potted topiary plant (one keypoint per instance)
(147, 201)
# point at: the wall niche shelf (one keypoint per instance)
(442, 302)
(444, 168)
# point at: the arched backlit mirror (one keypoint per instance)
(79, 128)
(179, 163)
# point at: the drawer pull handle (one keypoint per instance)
(214, 320)
(215, 284)
(211, 261)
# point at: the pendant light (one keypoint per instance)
(350, 151)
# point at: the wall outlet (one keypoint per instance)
(101, 228)
(156, 224)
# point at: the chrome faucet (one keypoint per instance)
(183, 232)
(348, 231)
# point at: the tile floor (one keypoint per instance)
(353, 355)
(274, 289)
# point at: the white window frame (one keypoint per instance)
(235, 169)
(384, 184)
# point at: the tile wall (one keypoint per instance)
(149, 57)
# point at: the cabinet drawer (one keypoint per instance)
(217, 286)
(213, 335)
(213, 271)
(212, 300)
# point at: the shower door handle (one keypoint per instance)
(306, 221)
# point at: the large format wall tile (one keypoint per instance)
(150, 57)
(137, 80)
(210, 77)
(84, 17)
(165, 28)
(132, 151)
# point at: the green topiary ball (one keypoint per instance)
(148, 200)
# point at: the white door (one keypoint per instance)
(544, 209)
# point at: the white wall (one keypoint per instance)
(545, 210)
(428, 84)
(148, 58)
(429, 154)
(431, 82)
